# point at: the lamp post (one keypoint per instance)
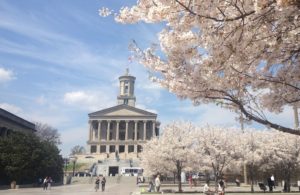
(73, 159)
(66, 164)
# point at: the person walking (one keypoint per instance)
(270, 184)
(49, 182)
(273, 181)
(190, 181)
(97, 183)
(45, 183)
(103, 182)
(157, 183)
(150, 187)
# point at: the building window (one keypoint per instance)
(93, 149)
(126, 101)
(140, 148)
(126, 90)
(112, 148)
(103, 149)
(130, 148)
(122, 135)
(121, 148)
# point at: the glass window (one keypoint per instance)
(102, 149)
(112, 148)
(130, 148)
(93, 149)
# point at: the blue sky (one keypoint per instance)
(59, 61)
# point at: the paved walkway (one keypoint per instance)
(76, 189)
(127, 188)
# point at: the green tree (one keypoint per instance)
(25, 158)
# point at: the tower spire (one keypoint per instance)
(126, 95)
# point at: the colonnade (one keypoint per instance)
(108, 136)
(110, 130)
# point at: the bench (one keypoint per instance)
(262, 186)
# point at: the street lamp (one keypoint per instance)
(66, 164)
(73, 159)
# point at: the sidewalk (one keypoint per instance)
(231, 189)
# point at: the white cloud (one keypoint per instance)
(143, 107)
(89, 100)
(6, 75)
(214, 115)
(41, 100)
(11, 108)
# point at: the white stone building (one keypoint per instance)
(117, 134)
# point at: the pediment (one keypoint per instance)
(121, 110)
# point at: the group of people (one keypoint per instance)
(155, 184)
(221, 189)
(192, 181)
(100, 180)
(47, 183)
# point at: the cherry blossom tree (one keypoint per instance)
(170, 153)
(285, 155)
(255, 150)
(241, 55)
(217, 149)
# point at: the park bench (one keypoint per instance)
(262, 186)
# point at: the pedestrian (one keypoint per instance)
(49, 182)
(45, 183)
(273, 180)
(270, 184)
(190, 180)
(150, 187)
(222, 185)
(206, 190)
(103, 182)
(237, 181)
(97, 182)
(157, 183)
(220, 190)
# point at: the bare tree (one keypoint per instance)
(77, 150)
(47, 133)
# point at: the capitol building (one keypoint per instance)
(116, 135)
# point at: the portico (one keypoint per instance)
(123, 129)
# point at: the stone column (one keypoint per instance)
(99, 130)
(126, 150)
(135, 148)
(108, 130)
(153, 129)
(135, 130)
(90, 131)
(117, 130)
(126, 131)
(145, 122)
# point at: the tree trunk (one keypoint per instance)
(179, 168)
(252, 177)
(174, 177)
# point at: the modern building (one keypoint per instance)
(119, 132)
(10, 122)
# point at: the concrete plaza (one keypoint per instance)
(130, 188)
(84, 189)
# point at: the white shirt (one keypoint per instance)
(157, 181)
